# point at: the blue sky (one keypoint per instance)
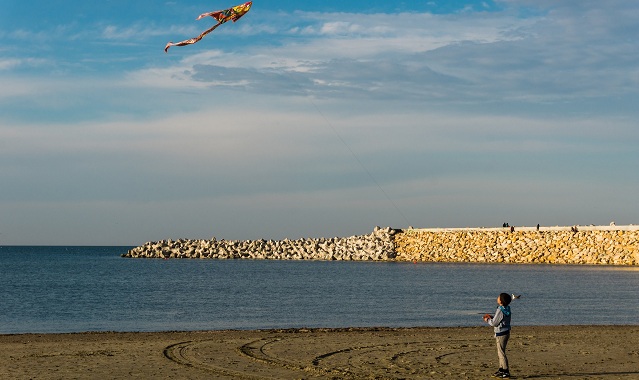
(314, 118)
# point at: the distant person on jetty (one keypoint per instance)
(501, 324)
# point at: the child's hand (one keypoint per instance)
(487, 317)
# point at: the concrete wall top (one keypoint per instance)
(631, 227)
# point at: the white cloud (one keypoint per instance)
(6, 64)
(339, 27)
(19, 63)
(141, 31)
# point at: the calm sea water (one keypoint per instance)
(75, 289)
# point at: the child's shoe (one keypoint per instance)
(498, 373)
(505, 374)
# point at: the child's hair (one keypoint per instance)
(505, 299)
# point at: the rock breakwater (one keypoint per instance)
(377, 246)
(602, 245)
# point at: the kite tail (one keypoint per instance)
(191, 41)
(212, 14)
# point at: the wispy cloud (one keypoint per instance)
(6, 64)
(144, 31)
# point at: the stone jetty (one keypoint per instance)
(600, 245)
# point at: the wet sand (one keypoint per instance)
(548, 352)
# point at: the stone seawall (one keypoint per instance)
(607, 245)
(556, 245)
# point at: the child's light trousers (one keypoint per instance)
(502, 341)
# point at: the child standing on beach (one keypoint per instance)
(501, 324)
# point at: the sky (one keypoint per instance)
(314, 118)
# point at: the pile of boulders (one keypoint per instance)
(377, 246)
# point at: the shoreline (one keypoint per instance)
(325, 353)
(309, 329)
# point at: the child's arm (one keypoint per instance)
(496, 320)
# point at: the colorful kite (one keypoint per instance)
(233, 14)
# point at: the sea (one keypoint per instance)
(78, 289)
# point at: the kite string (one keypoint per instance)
(339, 136)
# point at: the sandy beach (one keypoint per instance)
(548, 352)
